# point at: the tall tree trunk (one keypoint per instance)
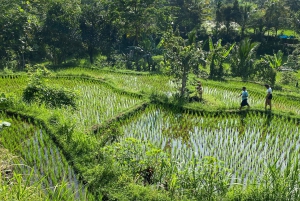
(212, 67)
(91, 55)
(23, 61)
(184, 80)
(138, 68)
(243, 31)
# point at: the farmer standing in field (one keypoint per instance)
(199, 89)
(244, 95)
(268, 97)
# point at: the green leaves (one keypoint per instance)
(183, 55)
(60, 31)
(3, 101)
(217, 55)
(275, 61)
(38, 91)
(51, 96)
(243, 58)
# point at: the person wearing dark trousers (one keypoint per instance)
(269, 97)
(199, 89)
(244, 96)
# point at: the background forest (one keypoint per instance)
(133, 34)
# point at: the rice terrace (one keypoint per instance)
(147, 100)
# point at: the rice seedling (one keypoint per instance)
(96, 103)
(15, 85)
(34, 147)
(223, 93)
(246, 144)
(230, 100)
(126, 81)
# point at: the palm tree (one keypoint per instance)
(243, 58)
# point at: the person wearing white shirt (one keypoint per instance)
(269, 97)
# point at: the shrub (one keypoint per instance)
(288, 78)
(277, 87)
(265, 73)
(37, 90)
(54, 97)
(4, 101)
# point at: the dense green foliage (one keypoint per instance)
(130, 31)
(50, 96)
(38, 91)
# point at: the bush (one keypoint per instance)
(142, 193)
(158, 62)
(265, 73)
(3, 101)
(288, 78)
(51, 96)
(277, 87)
(37, 90)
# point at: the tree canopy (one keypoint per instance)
(127, 33)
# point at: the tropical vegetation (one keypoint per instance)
(99, 101)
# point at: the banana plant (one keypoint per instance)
(217, 55)
(274, 61)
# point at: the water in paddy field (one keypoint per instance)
(40, 159)
(48, 161)
(246, 144)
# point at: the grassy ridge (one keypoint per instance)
(38, 171)
(107, 161)
(218, 95)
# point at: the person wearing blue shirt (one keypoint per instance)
(244, 95)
